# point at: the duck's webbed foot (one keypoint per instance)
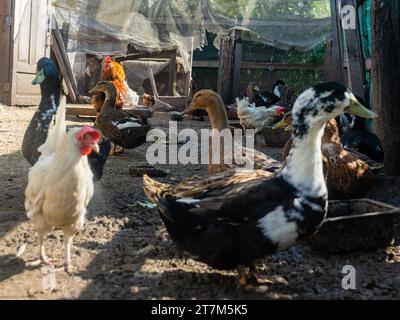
(257, 277)
(251, 276)
(115, 150)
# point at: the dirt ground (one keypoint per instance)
(124, 251)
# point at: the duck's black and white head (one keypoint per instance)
(321, 103)
(275, 87)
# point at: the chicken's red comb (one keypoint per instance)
(281, 110)
(88, 130)
(107, 62)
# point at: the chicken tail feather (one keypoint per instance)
(57, 131)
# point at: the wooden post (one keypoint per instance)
(172, 74)
(224, 87)
(64, 72)
(230, 57)
(386, 79)
(237, 63)
(337, 54)
(152, 82)
(189, 74)
(60, 52)
(355, 57)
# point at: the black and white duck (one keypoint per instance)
(48, 77)
(264, 98)
(234, 226)
(359, 138)
(119, 126)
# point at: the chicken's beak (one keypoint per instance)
(191, 108)
(279, 125)
(95, 147)
(358, 109)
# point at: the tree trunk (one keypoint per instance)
(386, 79)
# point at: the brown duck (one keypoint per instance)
(211, 102)
(118, 126)
(347, 173)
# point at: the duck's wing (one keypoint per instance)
(261, 161)
(108, 128)
(199, 187)
(114, 126)
(240, 223)
(266, 98)
(234, 204)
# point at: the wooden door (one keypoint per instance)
(5, 50)
(31, 42)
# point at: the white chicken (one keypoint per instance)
(257, 118)
(132, 98)
(60, 184)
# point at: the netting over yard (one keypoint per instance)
(106, 27)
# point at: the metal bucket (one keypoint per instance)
(357, 224)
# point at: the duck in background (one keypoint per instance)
(264, 98)
(211, 103)
(348, 175)
(359, 138)
(116, 125)
(234, 226)
(258, 118)
(48, 77)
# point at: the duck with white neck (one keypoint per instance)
(233, 227)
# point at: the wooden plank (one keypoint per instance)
(88, 111)
(354, 54)
(328, 68)
(152, 82)
(59, 42)
(206, 64)
(224, 86)
(80, 110)
(172, 74)
(186, 90)
(337, 57)
(237, 63)
(60, 62)
(6, 48)
(281, 66)
(385, 73)
(135, 56)
(261, 65)
(176, 102)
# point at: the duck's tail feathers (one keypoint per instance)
(57, 131)
(154, 189)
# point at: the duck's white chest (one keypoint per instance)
(276, 227)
